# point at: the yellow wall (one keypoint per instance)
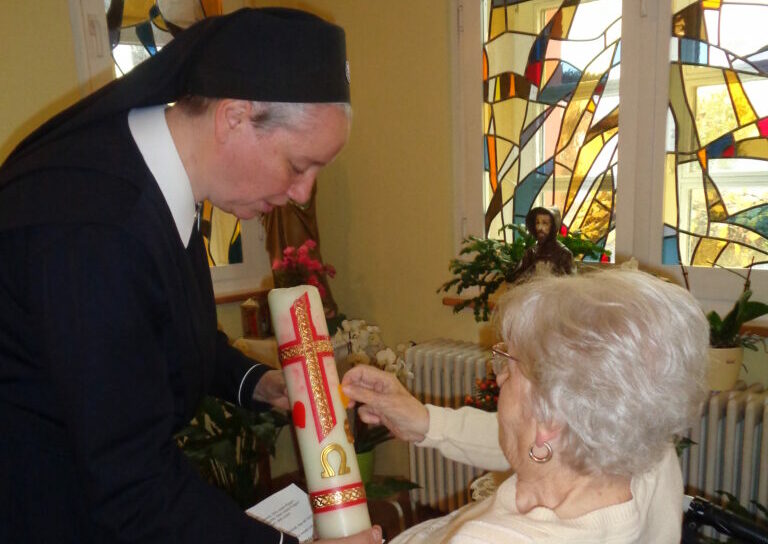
(386, 204)
(38, 75)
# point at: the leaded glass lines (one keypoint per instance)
(551, 73)
(716, 179)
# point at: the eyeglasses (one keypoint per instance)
(500, 358)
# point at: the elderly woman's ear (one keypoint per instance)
(547, 432)
(542, 449)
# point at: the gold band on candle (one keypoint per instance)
(340, 497)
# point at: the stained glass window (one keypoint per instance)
(716, 179)
(551, 111)
(137, 30)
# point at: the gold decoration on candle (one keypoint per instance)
(338, 497)
(308, 348)
(349, 432)
(328, 471)
(300, 350)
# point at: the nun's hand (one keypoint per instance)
(271, 389)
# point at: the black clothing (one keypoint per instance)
(108, 341)
(268, 54)
(108, 333)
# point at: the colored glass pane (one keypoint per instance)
(552, 92)
(716, 207)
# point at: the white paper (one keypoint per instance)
(287, 510)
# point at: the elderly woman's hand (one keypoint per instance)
(371, 536)
(385, 401)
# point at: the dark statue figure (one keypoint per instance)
(548, 253)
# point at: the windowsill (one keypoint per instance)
(240, 296)
(758, 329)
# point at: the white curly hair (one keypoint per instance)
(618, 358)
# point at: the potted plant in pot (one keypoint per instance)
(726, 340)
(486, 264)
(231, 447)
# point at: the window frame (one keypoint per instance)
(95, 68)
(644, 93)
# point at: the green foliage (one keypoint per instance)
(493, 262)
(227, 442)
(368, 437)
(724, 332)
(682, 443)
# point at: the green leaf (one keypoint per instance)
(370, 436)
(487, 263)
(682, 443)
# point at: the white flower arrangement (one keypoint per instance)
(364, 346)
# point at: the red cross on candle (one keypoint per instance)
(308, 350)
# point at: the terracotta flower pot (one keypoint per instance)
(724, 367)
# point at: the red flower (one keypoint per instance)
(330, 270)
(304, 260)
(313, 265)
(309, 243)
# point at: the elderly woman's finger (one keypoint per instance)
(368, 415)
(369, 377)
(361, 393)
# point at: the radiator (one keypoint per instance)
(730, 451)
(731, 447)
(444, 373)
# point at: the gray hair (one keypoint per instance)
(290, 115)
(618, 358)
(267, 115)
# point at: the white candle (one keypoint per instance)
(335, 488)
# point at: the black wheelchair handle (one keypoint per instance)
(703, 512)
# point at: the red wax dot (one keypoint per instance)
(299, 415)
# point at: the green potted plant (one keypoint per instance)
(367, 437)
(726, 339)
(494, 262)
(231, 447)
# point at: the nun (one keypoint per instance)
(108, 337)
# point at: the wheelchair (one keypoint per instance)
(701, 513)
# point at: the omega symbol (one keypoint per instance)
(328, 471)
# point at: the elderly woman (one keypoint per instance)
(597, 374)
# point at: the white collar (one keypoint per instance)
(153, 138)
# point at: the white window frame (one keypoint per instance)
(95, 68)
(642, 126)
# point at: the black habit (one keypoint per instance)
(108, 333)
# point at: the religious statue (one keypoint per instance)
(548, 253)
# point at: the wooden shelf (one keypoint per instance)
(240, 296)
